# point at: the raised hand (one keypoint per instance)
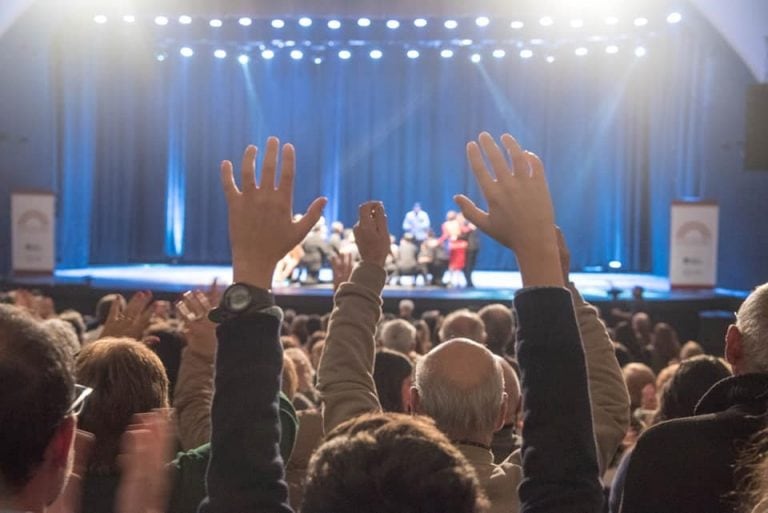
(261, 226)
(565, 254)
(372, 233)
(129, 321)
(342, 269)
(200, 332)
(520, 214)
(146, 449)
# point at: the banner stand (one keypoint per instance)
(693, 244)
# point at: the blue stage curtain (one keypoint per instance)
(620, 136)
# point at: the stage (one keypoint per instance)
(81, 288)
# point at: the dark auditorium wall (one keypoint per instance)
(32, 133)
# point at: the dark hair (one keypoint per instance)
(434, 319)
(171, 341)
(314, 324)
(37, 387)
(389, 370)
(299, 328)
(127, 378)
(688, 385)
(390, 463)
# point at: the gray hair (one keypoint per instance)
(752, 321)
(399, 335)
(462, 324)
(65, 335)
(460, 411)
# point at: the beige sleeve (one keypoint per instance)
(608, 393)
(345, 373)
(192, 399)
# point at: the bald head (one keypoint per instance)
(461, 386)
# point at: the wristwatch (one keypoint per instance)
(239, 298)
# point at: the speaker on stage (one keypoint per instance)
(756, 146)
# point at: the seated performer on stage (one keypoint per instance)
(407, 262)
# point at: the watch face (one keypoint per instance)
(238, 298)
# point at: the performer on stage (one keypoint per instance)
(472, 236)
(457, 247)
(417, 223)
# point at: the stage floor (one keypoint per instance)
(489, 285)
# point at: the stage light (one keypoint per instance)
(305, 22)
(243, 59)
(185, 20)
(220, 54)
(614, 264)
(290, 43)
(577, 23)
(482, 21)
(451, 24)
(420, 22)
(318, 60)
(278, 24)
(446, 54)
(129, 18)
(161, 20)
(475, 58)
(393, 24)
(215, 23)
(334, 24)
(674, 17)
(100, 19)
(550, 59)
(186, 51)
(245, 22)
(611, 20)
(161, 56)
(364, 22)
(267, 54)
(640, 51)
(412, 54)
(296, 54)
(345, 54)
(581, 51)
(465, 42)
(611, 49)
(499, 53)
(641, 22)
(376, 54)
(546, 21)
(517, 25)
(526, 54)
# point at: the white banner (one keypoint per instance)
(33, 232)
(693, 244)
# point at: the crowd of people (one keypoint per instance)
(224, 402)
(421, 254)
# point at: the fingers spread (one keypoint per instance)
(495, 156)
(312, 216)
(228, 180)
(475, 215)
(248, 168)
(287, 172)
(476, 162)
(516, 154)
(537, 167)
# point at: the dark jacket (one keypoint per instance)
(687, 465)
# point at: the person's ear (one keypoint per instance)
(734, 348)
(61, 444)
(502, 418)
(405, 395)
(415, 401)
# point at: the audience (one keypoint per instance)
(473, 424)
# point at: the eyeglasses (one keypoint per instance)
(81, 394)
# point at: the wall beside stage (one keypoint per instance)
(131, 145)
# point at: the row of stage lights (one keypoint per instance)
(393, 24)
(376, 54)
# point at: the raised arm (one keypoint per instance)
(610, 401)
(345, 373)
(245, 473)
(559, 461)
